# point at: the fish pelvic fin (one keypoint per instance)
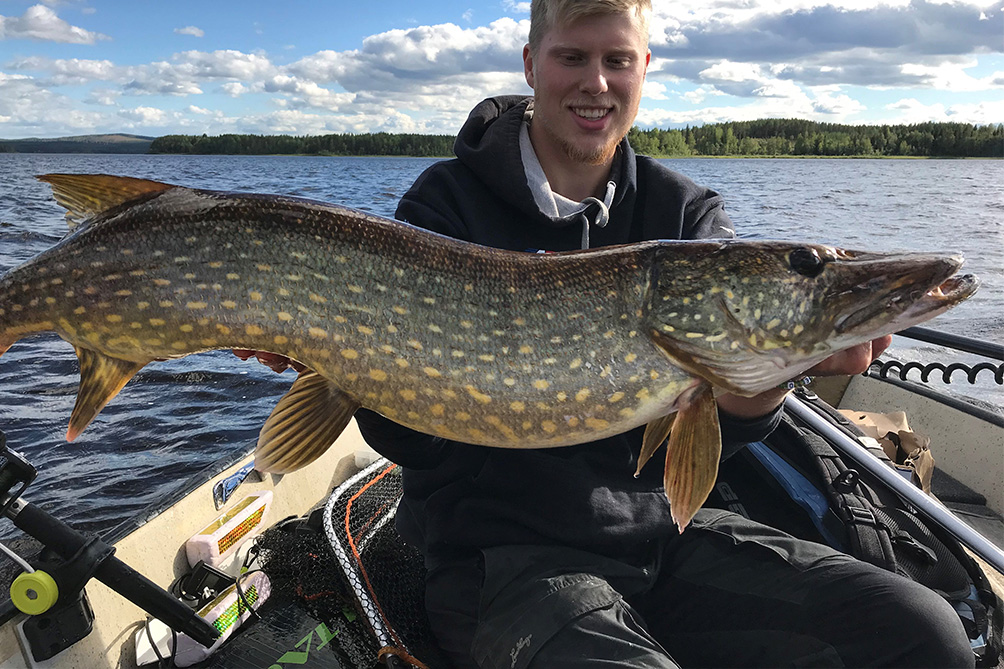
(655, 434)
(86, 195)
(695, 447)
(101, 379)
(303, 425)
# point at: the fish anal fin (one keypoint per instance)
(86, 195)
(304, 423)
(695, 447)
(655, 433)
(101, 379)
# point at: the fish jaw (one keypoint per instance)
(747, 316)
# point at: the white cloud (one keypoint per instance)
(42, 24)
(234, 89)
(514, 7)
(190, 30)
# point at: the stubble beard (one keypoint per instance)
(597, 156)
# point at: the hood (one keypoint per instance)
(488, 144)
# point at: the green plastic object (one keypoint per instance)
(34, 593)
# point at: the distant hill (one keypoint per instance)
(115, 143)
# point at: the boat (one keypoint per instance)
(332, 522)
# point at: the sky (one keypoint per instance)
(306, 67)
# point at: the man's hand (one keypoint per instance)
(277, 363)
(854, 360)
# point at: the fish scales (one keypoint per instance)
(464, 342)
(481, 345)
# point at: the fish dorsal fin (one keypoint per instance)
(655, 433)
(86, 195)
(101, 379)
(304, 423)
(695, 447)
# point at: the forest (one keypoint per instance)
(766, 137)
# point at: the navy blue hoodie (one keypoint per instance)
(459, 498)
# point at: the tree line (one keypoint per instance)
(797, 137)
(766, 137)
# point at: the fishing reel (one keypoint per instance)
(52, 592)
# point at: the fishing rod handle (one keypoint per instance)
(116, 574)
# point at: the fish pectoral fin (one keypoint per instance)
(101, 379)
(303, 425)
(695, 447)
(85, 195)
(655, 433)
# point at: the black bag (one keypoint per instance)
(796, 482)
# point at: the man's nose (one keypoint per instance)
(594, 80)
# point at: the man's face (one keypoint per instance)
(586, 78)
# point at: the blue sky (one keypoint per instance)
(70, 67)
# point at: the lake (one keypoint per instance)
(177, 417)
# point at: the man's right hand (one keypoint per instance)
(277, 363)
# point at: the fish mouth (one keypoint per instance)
(909, 303)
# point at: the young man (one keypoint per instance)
(561, 557)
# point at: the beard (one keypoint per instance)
(599, 155)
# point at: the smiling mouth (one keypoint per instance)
(591, 113)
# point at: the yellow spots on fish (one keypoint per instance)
(616, 397)
(48, 300)
(783, 333)
(225, 330)
(562, 396)
(123, 293)
(575, 364)
(541, 384)
(457, 354)
(462, 415)
(138, 272)
(479, 397)
(469, 287)
(349, 353)
(716, 338)
(280, 340)
(255, 296)
(283, 292)
(630, 357)
(185, 327)
(752, 340)
(686, 300)
(97, 263)
(415, 344)
(548, 426)
(432, 372)
(694, 335)
(597, 423)
(113, 318)
(408, 394)
(525, 350)
(378, 375)
(399, 310)
(642, 394)
(318, 333)
(196, 305)
(216, 264)
(435, 328)
(774, 322)
(355, 289)
(166, 304)
(157, 322)
(519, 321)
(626, 412)
(517, 406)
(401, 362)
(486, 357)
(318, 299)
(162, 282)
(363, 329)
(153, 341)
(497, 423)
(609, 334)
(284, 316)
(798, 329)
(668, 328)
(90, 290)
(253, 330)
(582, 395)
(466, 324)
(230, 304)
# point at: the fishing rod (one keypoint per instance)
(925, 504)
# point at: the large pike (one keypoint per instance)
(491, 347)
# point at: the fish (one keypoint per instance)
(481, 345)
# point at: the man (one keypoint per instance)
(560, 557)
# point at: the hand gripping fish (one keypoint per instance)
(479, 345)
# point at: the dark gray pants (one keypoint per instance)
(728, 593)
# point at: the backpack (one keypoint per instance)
(797, 482)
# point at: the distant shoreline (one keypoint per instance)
(766, 138)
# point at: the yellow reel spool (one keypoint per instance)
(34, 593)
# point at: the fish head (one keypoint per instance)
(750, 315)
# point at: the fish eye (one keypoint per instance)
(806, 262)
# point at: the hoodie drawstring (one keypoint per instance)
(602, 212)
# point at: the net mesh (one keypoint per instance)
(350, 562)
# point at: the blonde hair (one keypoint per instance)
(545, 14)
